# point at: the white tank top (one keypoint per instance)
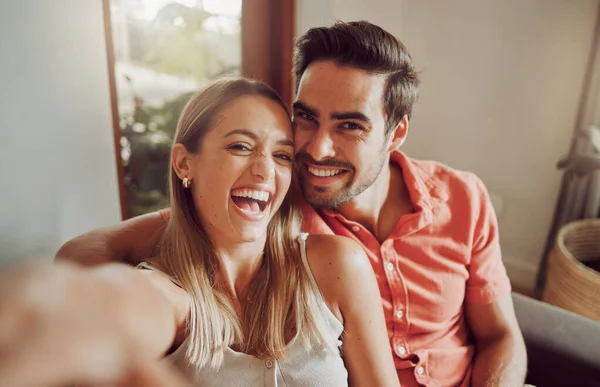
(301, 368)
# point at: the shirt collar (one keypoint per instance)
(422, 187)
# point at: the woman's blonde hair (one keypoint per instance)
(280, 298)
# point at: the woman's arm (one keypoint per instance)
(63, 324)
(348, 284)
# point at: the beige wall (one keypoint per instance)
(57, 163)
(501, 82)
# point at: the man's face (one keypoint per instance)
(340, 132)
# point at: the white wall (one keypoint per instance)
(57, 163)
(501, 82)
(312, 13)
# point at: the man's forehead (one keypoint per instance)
(332, 87)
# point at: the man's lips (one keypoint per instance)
(304, 159)
(323, 172)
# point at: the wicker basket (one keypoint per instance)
(570, 284)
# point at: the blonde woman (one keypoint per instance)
(236, 295)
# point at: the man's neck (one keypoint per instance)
(380, 206)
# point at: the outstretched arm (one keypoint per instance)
(63, 324)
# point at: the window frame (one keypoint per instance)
(267, 34)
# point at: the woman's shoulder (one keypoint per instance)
(334, 251)
(168, 287)
(338, 264)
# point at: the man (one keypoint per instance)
(430, 231)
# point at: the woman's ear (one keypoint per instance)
(181, 159)
(399, 134)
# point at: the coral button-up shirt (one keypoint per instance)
(444, 254)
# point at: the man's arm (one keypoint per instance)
(500, 358)
(130, 241)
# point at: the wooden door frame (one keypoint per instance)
(114, 107)
(268, 43)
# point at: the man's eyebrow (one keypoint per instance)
(302, 106)
(252, 135)
(351, 116)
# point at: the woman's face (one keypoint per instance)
(243, 168)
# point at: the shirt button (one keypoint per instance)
(389, 266)
(401, 350)
(269, 363)
(420, 371)
(355, 228)
(399, 314)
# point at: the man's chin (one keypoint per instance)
(323, 201)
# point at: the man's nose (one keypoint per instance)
(321, 145)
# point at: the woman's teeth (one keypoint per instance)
(262, 196)
(324, 172)
(251, 201)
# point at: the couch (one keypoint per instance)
(563, 348)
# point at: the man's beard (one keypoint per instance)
(321, 197)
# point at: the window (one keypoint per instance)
(164, 50)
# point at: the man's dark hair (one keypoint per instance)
(365, 46)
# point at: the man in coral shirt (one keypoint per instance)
(430, 231)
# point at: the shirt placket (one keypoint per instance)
(399, 300)
(270, 371)
(398, 290)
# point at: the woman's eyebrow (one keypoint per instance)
(252, 135)
(286, 142)
(243, 132)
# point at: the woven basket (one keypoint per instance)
(570, 284)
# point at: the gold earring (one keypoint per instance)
(186, 182)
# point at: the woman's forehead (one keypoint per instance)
(257, 114)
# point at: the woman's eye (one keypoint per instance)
(240, 147)
(284, 156)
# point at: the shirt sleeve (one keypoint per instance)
(487, 281)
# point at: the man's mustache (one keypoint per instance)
(303, 157)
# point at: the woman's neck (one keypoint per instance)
(239, 262)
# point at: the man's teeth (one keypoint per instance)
(262, 196)
(324, 172)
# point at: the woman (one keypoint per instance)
(235, 294)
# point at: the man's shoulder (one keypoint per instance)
(447, 178)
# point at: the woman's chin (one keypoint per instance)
(246, 230)
(250, 234)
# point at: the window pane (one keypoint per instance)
(164, 51)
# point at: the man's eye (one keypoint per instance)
(351, 126)
(305, 116)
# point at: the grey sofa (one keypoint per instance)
(563, 348)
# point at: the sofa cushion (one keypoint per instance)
(563, 348)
